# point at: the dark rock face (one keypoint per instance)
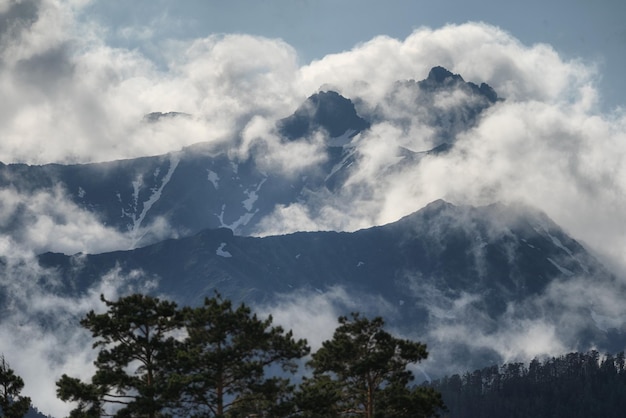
(440, 78)
(489, 92)
(192, 190)
(326, 110)
(443, 101)
(508, 255)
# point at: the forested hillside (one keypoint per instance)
(583, 385)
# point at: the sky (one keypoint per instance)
(77, 77)
(593, 31)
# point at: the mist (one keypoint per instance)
(70, 98)
(40, 334)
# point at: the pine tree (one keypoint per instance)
(225, 359)
(363, 371)
(12, 404)
(133, 366)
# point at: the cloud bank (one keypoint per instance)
(69, 97)
(461, 336)
(40, 334)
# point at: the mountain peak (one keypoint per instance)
(440, 75)
(326, 109)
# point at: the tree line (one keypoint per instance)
(155, 359)
(574, 385)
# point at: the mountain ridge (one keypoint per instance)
(204, 186)
(504, 253)
(478, 284)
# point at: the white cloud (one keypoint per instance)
(67, 96)
(312, 313)
(261, 142)
(48, 220)
(477, 51)
(40, 334)
(545, 145)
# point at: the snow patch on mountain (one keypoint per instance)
(221, 252)
(252, 196)
(344, 163)
(543, 229)
(559, 244)
(214, 178)
(562, 269)
(242, 220)
(343, 140)
(154, 197)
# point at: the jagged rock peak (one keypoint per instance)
(326, 109)
(489, 92)
(441, 75)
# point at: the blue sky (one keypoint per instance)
(592, 30)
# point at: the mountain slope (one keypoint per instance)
(482, 268)
(205, 186)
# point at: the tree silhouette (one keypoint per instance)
(574, 385)
(225, 359)
(363, 370)
(12, 404)
(133, 365)
(156, 360)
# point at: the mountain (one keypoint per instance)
(495, 257)
(464, 247)
(326, 110)
(443, 101)
(439, 78)
(479, 285)
(205, 186)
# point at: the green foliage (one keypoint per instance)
(225, 359)
(12, 405)
(133, 365)
(320, 396)
(216, 368)
(273, 398)
(362, 370)
(156, 360)
(88, 396)
(575, 385)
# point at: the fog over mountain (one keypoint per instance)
(103, 150)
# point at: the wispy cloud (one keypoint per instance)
(40, 332)
(70, 97)
(313, 313)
